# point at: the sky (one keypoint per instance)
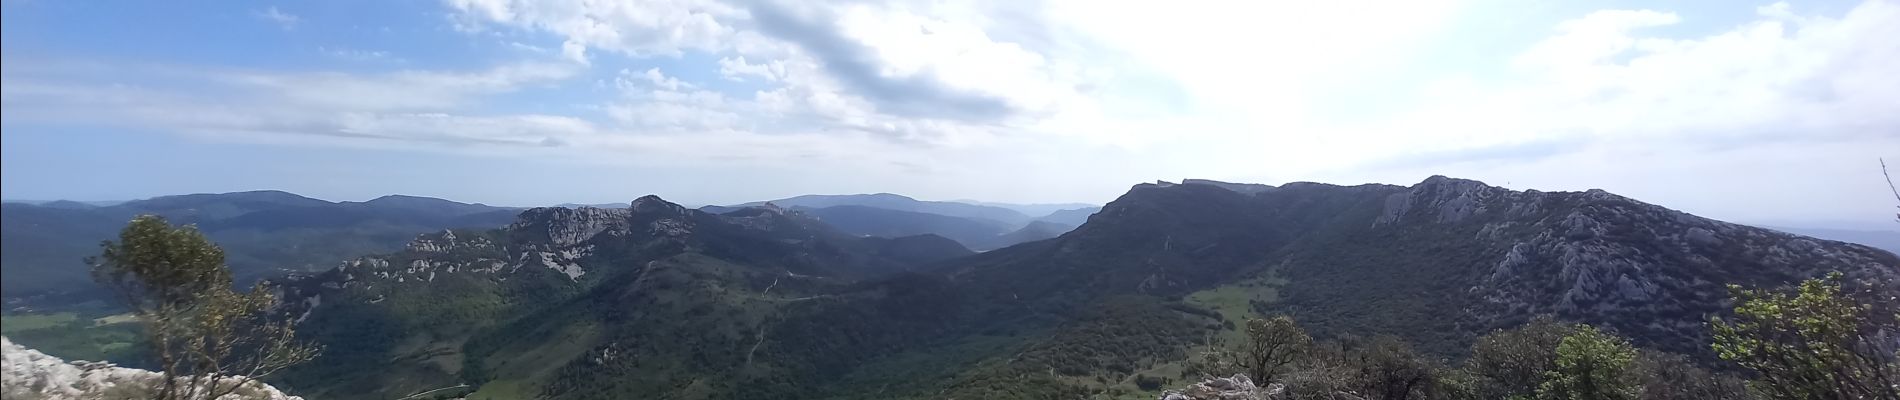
(1770, 112)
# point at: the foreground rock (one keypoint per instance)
(1238, 387)
(28, 374)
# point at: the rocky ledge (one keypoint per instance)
(28, 374)
(1237, 387)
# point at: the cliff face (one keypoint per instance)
(27, 374)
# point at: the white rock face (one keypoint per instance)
(1238, 387)
(28, 374)
(570, 226)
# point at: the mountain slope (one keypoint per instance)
(655, 287)
(1242, 188)
(1387, 259)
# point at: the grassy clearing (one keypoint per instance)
(1235, 302)
(503, 389)
(16, 323)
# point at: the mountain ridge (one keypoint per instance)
(1144, 280)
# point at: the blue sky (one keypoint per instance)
(1755, 111)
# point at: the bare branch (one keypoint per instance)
(1890, 187)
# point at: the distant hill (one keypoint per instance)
(1032, 210)
(975, 234)
(1036, 230)
(425, 205)
(1070, 217)
(213, 206)
(1007, 216)
(263, 232)
(873, 221)
(66, 203)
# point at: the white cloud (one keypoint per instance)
(282, 19)
(737, 69)
(637, 28)
(400, 90)
(1786, 111)
(1098, 94)
(359, 55)
(874, 69)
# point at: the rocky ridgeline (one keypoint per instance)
(27, 374)
(1644, 269)
(555, 239)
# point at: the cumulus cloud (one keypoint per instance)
(1784, 107)
(399, 90)
(284, 20)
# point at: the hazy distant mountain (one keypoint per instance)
(262, 232)
(897, 202)
(66, 203)
(427, 205)
(975, 234)
(212, 206)
(1032, 210)
(1884, 240)
(874, 221)
(41, 248)
(1071, 217)
(1036, 230)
